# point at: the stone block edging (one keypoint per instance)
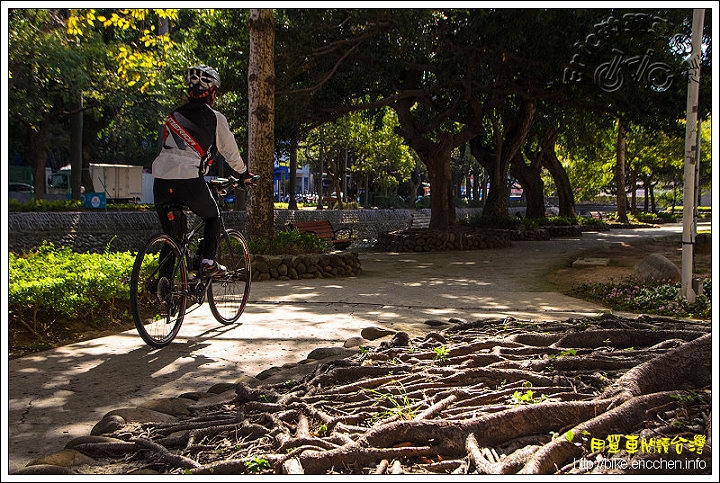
(296, 267)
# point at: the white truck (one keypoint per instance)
(121, 183)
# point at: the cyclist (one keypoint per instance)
(194, 134)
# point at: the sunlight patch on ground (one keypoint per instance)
(30, 370)
(302, 297)
(446, 282)
(440, 311)
(51, 402)
(175, 366)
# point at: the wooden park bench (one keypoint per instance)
(340, 238)
(420, 219)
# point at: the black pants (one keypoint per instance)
(196, 195)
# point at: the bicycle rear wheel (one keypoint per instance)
(228, 295)
(158, 290)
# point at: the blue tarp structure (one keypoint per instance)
(281, 173)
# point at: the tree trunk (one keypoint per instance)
(494, 197)
(442, 203)
(412, 193)
(436, 157)
(566, 198)
(76, 151)
(261, 121)
(320, 188)
(633, 193)
(507, 143)
(477, 178)
(434, 153)
(620, 175)
(485, 179)
(532, 184)
(292, 176)
(86, 179)
(652, 198)
(37, 155)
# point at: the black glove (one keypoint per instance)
(248, 178)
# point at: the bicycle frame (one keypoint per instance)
(171, 288)
(197, 288)
(198, 291)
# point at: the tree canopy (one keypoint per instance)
(521, 91)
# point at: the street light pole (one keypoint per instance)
(691, 149)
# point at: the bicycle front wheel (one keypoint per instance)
(228, 295)
(158, 290)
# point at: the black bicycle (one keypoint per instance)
(166, 282)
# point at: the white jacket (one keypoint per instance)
(182, 162)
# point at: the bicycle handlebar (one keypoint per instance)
(222, 185)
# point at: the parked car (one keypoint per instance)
(22, 192)
(22, 187)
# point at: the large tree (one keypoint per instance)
(631, 70)
(261, 120)
(361, 145)
(47, 76)
(466, 75)
(80, 65)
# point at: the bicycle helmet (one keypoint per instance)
(202, 80)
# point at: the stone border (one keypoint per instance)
(296, 267)
(466, 238)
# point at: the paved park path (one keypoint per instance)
(58, 395)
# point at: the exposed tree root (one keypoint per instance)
(488, 397)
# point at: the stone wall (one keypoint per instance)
(94, 231)
(426, 240)
(464, 238)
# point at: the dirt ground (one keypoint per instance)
(622, 259)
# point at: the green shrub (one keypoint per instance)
(50, 282)
(346, 205)
(561, 220)
(703, 212)
(45, 205)
(70, 205)
(666, 217)
(388, 202)
(57, 281)
(290, 242)
(589, 221)
(423, 202)
(499, 222)
(514, 222)
(644, 217)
